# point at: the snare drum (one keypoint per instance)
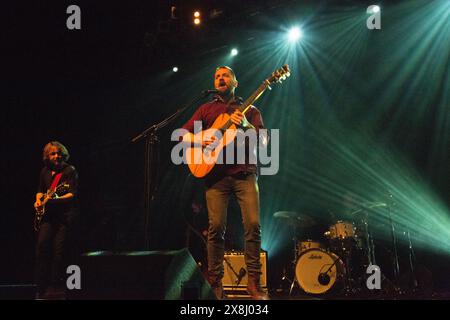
(302, 246)
(341, 230)
(318, 271)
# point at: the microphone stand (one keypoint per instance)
(151, 163)
(234, 272)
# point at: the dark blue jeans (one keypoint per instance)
(245, 188)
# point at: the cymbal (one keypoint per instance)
(295, 218)
(374, 204)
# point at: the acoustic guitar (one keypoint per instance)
(201, 160)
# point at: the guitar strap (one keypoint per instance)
(228, 107)
(55, 181)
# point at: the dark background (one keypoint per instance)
(97, 88)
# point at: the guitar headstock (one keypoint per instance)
(62, 188)
(280, 75)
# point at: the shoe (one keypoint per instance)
(254, 288)
(216, 285)
(218, 291)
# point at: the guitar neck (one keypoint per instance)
(48, 194)
(247, 103)
(244, 107)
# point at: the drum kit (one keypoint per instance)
(336, 263)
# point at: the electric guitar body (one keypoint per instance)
(50, 194)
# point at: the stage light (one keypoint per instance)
(374, 9)
(197, 20)
(234, 52)
(294, 34)
(175, 69)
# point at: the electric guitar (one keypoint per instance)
(50, 194)
(201, 160)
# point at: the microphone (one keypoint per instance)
(324, 278)
(241, 274)
(211, 91)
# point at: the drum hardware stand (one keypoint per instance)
(412, 259)
(348, 289)
(296, 254)
(285, 278)
(370, 250)
(396, 266)
(369, 243)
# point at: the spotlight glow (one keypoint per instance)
(175, 69)
(234, 52)
(197, 21)
(295, 34)
(196, 14)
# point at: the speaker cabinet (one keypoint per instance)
(154, 275)
(235, 271)
(17, 292)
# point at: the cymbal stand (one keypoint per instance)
(412, 259)
(396, 266)
(294, 262)
(346, 252)
(370, 247)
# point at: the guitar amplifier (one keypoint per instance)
(235, 271)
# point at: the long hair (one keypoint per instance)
(46, 152)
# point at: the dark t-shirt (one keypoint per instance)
(208, 113)
(69, 176)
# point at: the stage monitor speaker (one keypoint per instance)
(142, 275)
(18, 292)
(235, 271)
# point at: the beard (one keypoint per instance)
(55, 166)
(226, 93)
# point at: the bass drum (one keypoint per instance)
(314, 262)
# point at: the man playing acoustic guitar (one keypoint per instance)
(227, 179)
(55, 217)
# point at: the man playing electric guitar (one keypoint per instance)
(58, 214)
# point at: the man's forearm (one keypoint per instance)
(65, 198)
